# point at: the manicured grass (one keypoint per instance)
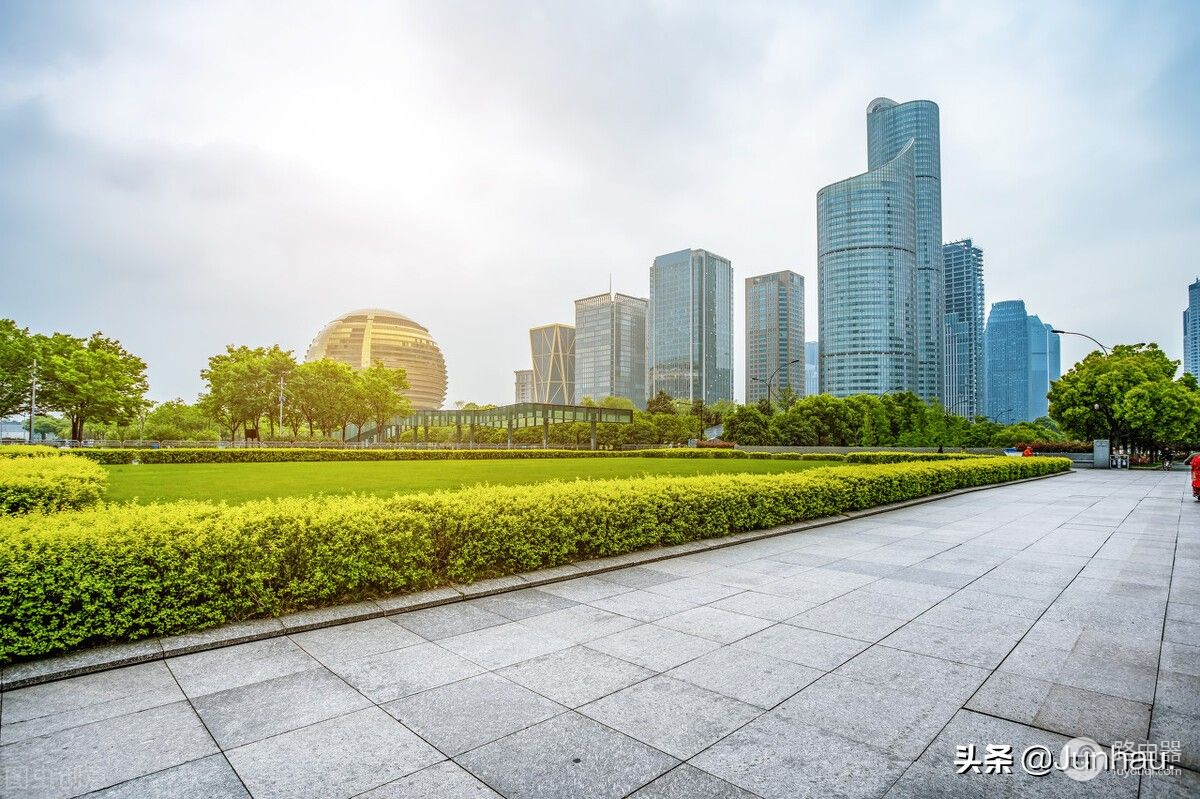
(242, 482)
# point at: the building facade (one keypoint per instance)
(1191, 331)
(523, 388)
(866, 280)
(963, 361)
(361, 338)
(1023, 358)
(610, 348)
(774, 335)
(689, 326)
(812, 372)
(890, 127)
(553, 350)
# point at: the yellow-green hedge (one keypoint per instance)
(37, 484)
(27, 451)
(126, 572)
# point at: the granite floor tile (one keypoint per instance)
(580, 623)
(445, 780)
(750, 677)
(351, 641)
(722, 626)
(504, 645)
(653, 647)
(391, 675)
(444, 621)
(517, 605)
(575, 676)
(207, 778)
(567, 757)
(334, 759)
(643, 605)
(689, 782)
(234, 666)
(811, 648)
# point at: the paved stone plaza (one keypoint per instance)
(850, 660)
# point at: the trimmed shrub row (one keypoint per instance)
(28, 451)
(37, 484)
(282, 454)
(126, 572)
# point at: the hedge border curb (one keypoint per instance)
(113, 656)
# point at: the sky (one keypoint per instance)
(183, 176)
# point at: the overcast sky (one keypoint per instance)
(187, 175)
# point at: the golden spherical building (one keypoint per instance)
(360, 338)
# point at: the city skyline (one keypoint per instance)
(247, 195)
(965, 299)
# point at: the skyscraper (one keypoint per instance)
(890, 127)
(1022, 360)
(689, 326)
(812, 373)
(523, 385)
(1191, 331)
(553, 350)
(610, 347)
(774, 334)
(866, 280)
(963, 363)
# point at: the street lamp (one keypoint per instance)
(772, 377)
(1084, 335)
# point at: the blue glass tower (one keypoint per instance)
(866, 280)
(1191, 331)
(1023, 358)
(890, 128)
(689, 327)
(963, 361)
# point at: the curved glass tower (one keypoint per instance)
(866, 286)
(890, 128)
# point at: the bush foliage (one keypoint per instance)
(44, 484)
(126, 572)
(28, 451)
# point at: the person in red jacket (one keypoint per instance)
(1194, 461)
(1028, 453)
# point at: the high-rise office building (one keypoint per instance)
(890, 127)
(1022, 356)
(812, 372)
(963, 362)
(523, 385)
(774, 334)
(689, 327)
(553, 351)
(610, 347)
(1191, 331)
(866, 280)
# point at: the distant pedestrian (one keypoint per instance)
(940, 450)
(1028, 453)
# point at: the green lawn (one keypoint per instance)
(241, 482)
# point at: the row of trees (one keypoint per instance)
(866, 420)
(246, 386)
(92, 380)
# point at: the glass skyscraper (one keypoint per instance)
(610, 348)
(890, 128)
(553, 350)
(1023, 358)
(866, 280)
(689, 327)
(963, 362)
(774, 334)
(812, 373)
(1191, 331)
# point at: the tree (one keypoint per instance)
(747, 426)
(92, 380)
(17, 351)
(661, 403)
(381, 390)
(243, 386)
(787, 397)
(791, 428)
(176, 420)
(1090, 400)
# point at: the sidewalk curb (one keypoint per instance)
(104, 658)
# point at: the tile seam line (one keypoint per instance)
(706, 545)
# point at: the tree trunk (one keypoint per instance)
(76, 428)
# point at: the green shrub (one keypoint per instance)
(111, 457)
(809, 456)
(28, 451)
(44, 484)
(126, 572)
(908, 457)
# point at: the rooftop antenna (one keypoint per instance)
(610, 283)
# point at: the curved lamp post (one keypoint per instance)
(1084, 335)
(772, 377)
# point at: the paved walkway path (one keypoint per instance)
(850, 660)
